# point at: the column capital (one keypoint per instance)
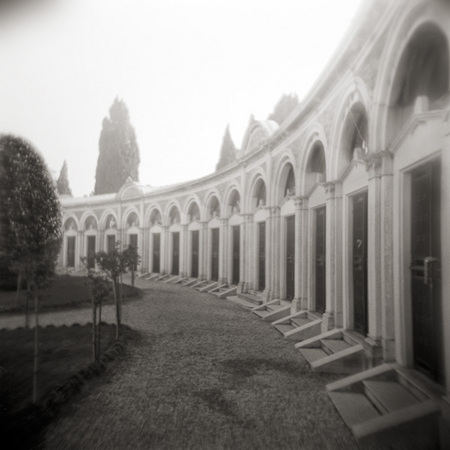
(274, 210)
(223, 221)
(332, 188)
(379, 163)
(300, 201)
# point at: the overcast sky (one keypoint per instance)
(185, 69)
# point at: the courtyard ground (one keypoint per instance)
(203, 374)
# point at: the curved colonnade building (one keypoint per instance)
(334, 223)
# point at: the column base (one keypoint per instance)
(327, 322)
(296, 305)
(388, 349)
(374, 351)
(240, 287)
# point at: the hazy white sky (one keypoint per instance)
(184, 68)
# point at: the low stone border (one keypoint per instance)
(24, 429)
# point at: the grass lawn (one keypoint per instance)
(63, 351)
(64, 292)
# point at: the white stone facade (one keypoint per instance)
(373, 122)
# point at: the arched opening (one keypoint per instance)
(316, 167)
(155, 218)
(174, 215)
(194, 212)
(234, 202)
(422, 79)
(213, 209)
(289, 188)
(90, 227)
(70, 231)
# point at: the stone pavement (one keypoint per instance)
(203, 373)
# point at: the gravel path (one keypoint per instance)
(203, 374)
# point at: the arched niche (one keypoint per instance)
(259, 195)
(193, 212)
(234, 203)
(90, 223)
(213, 208)
(70, 225)
(155, 218)
(110, 222)
(316, 167)
(422, 79)
(174, 216)
(286, 183)
(354, 142)
(132, 220)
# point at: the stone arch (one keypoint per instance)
(351, 129)
(106, 217)
(131, 218)
(212, 206)
(154, 216)
(71, 223)
(419, 42)
(233, 201)
(192, 211)
(258, 193)
(89, 221)
(173, 214)
(285, 180)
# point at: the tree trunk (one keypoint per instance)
(94, 331)
(99, 330)
(19, 282)
(36, 349)
(116, 299)
(132, 276)
(27, 304)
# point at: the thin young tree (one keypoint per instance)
(114, 264)
(30, 234)
(133, 260)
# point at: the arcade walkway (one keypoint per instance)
(204, 374)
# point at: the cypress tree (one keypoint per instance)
(118, 156)
(227, 151)
(63, 181)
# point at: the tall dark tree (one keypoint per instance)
(284, 107)
(118, 156)
(63, 181)
(227, 151)
(30, 233)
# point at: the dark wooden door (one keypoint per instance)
(360, 263)
(215, 254)
(195, 253)
(426, 269)
(262, 256)
(320, 290)
(71, 251)
(110, 243)
(133, 241)
(236, 253)
(290, 257)
(91, 252)
(156, 252)
(175, 253)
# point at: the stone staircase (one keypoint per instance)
(163, 277)
(273, 310)
(205, 285)
(188, 281)
(299, 326)
(335, 351)
(254, 297)
(152, 276)
(224, 290)
(391, 407)
(172, 279)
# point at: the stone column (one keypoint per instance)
(333, 314)
(141, 250)
(101, 243)
(202, 250)
(79, 250)
(274, 255)
(223, 251)
(242, 258)
(183, 250)
(296, 304)
(164, 262)
(381, 313)
(248, 250)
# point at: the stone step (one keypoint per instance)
(256, 300)
(332, 346)
(355, 408)
(313, 354)
(262, 313)
(241, 302)
(299, 321)
(283, 328)
(388, 396)
(274, 307)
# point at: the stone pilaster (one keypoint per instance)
(165, 244)
(297, 301)
(381, 333)
(203, 251)
(273, 255)
(333, 314)
(184, 250)
(223, 251)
